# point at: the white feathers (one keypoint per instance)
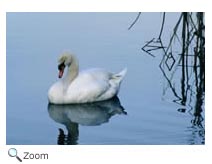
(87, 86)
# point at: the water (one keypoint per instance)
(141, 114)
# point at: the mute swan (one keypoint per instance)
(87, 86)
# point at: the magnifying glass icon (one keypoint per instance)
(12, 152)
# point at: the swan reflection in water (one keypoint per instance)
(91, 114)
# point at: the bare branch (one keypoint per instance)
(161, 29)
(136, 19)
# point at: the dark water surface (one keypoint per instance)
(141, 114)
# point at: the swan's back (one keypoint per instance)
(94, 85)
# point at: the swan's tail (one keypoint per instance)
(119, 76)
(122, 73)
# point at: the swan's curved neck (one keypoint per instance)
(73, 70)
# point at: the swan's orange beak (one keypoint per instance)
(60, 73)
(61, 68)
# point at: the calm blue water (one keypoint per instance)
(34, 41)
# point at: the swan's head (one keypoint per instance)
(64, 60)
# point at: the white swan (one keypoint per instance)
(87, 86)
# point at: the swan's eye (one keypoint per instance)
(61, 66)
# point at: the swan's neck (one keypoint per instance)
(73, 70)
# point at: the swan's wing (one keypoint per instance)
(87, 88)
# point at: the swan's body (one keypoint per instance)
(87, 86)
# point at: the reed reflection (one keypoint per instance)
(90, 114)
(183, 64)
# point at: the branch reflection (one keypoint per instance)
(184, 71)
